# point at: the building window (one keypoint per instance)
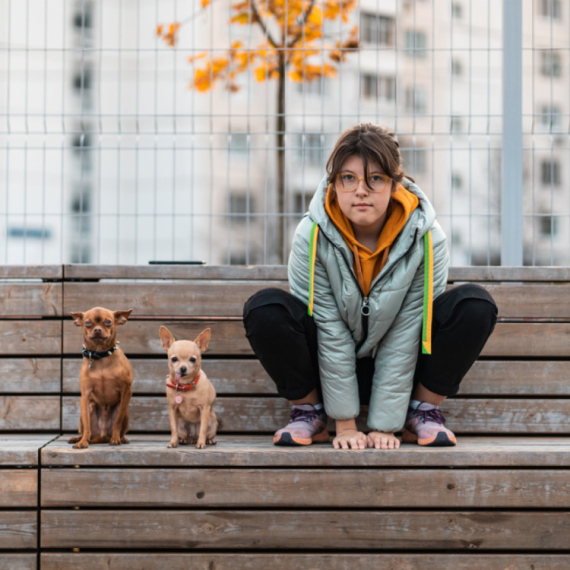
(310, 148)
(456, 181)
(550, 172)
(550, 64)
(301, 202)
(378, 86)
(416, 43)
(456, 125)
(238, 143)
(457, 10)
(550, 9)
(550, 116)
(315, 87)
(376, 30)
(414, 160)
(456, 67)
(415, 100)
(239, 207)
(548, 226)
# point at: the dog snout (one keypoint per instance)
(183, 369)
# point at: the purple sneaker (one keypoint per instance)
(424, 426)
(306, 426)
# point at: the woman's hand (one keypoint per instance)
(381, 440)
(348, 437)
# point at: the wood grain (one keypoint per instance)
(253, 414)
(29, 413)
(524, 340)
(31, 271)
(188, 299)
(307, 488)
(9, 561)
(18, 488)
(321, 561)
(29, 338)
(18, 530)
(310, 530)
(229, 376)
(259, 451)
(141, 337)
(21, 450)
(30, 299)
(30, 375)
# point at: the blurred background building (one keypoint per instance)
(107, 156)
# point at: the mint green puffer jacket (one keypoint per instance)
(395, 304)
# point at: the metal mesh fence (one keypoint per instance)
(138, 130)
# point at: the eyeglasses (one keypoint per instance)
(347, 182)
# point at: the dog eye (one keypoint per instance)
(88, 323)
(193, 359)
(174, 359)
(108, 322)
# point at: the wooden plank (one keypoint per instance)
(321, 561)
(188, 299)
(10, 561)
(29, 413)
(141, 337)
(259, 451)
(487, 377)
(310, 530)
(344, 488)
(496, 377)
(279, 272)
(31, 299)
(31, 271)
(527, 340)
(18, 530)
(21, 450)
(252, 414)
(226, 298)
(228, 376)
(30, 338)
(495, 273)
(30, 375)
(18, 488)
(225, 272)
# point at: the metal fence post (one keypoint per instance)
(512, 192)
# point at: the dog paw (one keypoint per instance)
(125, 440)
(182, 441)
(81, 445)
(74, 439)
(211, 441)
(115, 441)
(201, 445)
(173, 444)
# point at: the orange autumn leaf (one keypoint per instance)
(204, 3)
(159, 29)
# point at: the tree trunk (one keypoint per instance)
(280, 139)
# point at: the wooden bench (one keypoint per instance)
(499, 500)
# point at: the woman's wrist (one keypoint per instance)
(346, 425)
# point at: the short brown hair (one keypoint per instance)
(372, 143)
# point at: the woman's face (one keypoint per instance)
(365, 209)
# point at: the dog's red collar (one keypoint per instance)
(184, 387)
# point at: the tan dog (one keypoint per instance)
(189, 393)
(105, 379)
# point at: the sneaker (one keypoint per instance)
(306, 426)
(424, 426)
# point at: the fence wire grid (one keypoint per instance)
(139, 130)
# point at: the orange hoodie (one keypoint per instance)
(368, 264)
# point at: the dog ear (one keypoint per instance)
(203, 339)
(166, 338)
(122, 316)
(77, 319)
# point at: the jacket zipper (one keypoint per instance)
(364, 307)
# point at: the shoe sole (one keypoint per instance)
(440, 440)
(285, 439)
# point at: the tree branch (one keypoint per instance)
(262, 24)
(300, 34)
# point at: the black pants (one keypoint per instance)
(284, 338)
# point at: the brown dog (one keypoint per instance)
(105, 379)
(189, 393)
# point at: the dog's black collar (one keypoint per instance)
(92, 355)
